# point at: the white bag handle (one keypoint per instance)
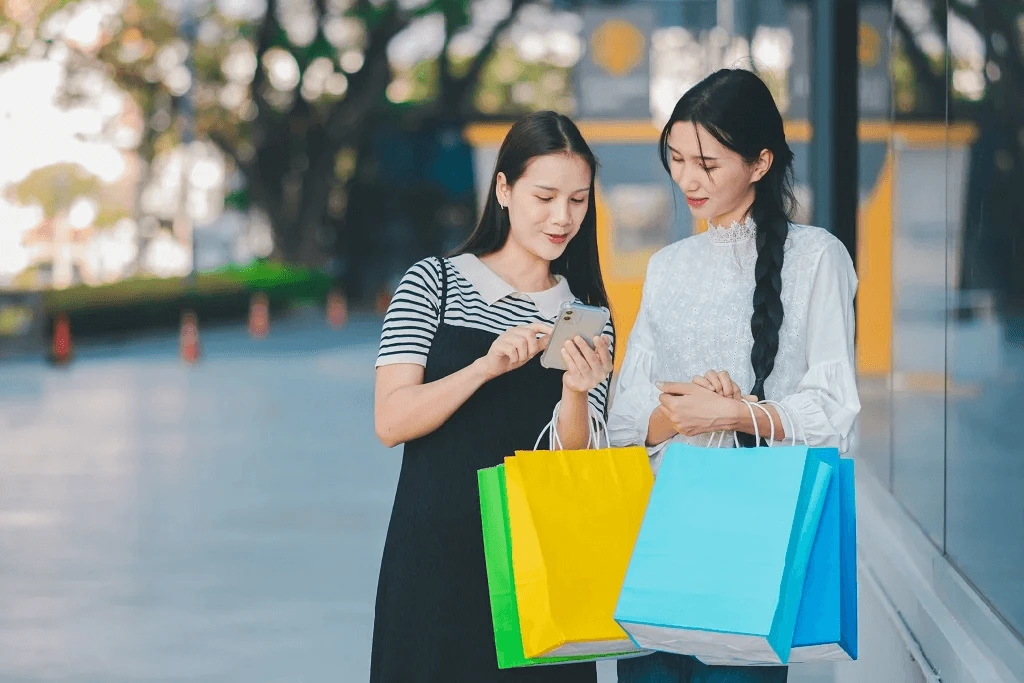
(711, 439)
(784, 414)
(771, 422)
(595, 424)
(757, 432)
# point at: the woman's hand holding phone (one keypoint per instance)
(586, 368)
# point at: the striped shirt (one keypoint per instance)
(477, 298)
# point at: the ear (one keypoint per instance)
(502, 190)
(762, 164)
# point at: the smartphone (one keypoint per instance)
(573, 319)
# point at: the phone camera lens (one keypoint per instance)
(566, 317)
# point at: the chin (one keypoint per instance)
(702, 212)
(548, 251)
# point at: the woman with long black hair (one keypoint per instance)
(755, 308)
(459, 382)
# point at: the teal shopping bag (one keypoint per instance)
(826, 624)
(719, 566)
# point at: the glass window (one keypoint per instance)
(918, 243)
(943, 251)
(985, 276)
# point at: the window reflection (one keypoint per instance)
(957, 287)
(985, 350)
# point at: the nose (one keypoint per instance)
(560, 215)
(688, 178)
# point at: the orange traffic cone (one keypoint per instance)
(60, 348)
(189, 342)
(259, 316)
(337, 308)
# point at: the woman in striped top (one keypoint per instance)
(459, 382)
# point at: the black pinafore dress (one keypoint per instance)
(433, 616)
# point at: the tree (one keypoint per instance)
(291, 92)
(302, 151)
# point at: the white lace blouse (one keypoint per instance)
(695, 316)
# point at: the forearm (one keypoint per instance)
(741, 421)
(410, 412)
(573, 423)
(660, 428)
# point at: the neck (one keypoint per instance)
(525, 271)
(737, 215)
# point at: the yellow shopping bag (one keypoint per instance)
(574, 517)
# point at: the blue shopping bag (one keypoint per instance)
(718, 568)
(826, 624)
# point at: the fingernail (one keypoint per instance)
(660, 385)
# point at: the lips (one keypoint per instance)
(557, 239)
(696, 202)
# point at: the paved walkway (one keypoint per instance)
(219, 523)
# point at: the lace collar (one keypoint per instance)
(735, 233)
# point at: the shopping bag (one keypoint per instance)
(831, 634)
(508, 641)
(719, 565)
(826, 624)
(574, 517)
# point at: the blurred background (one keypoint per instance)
(205, 206)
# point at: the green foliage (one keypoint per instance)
(55, 188)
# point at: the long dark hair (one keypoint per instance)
(736, 107)
(534, 135)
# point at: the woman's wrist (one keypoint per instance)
(481, 371)
(737, 417)
(659, 428)
(569, 394)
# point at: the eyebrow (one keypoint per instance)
(555, 189)
(678, 153)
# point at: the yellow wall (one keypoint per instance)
(874, 268)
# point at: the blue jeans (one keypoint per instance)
(661, 667)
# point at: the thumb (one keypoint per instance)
(540, 328)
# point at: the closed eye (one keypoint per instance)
(578, 200)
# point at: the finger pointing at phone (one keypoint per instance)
(515, 347)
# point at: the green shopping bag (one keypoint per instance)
(508, 639)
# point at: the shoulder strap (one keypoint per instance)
(444, 289)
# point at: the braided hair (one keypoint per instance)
(736, 107)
